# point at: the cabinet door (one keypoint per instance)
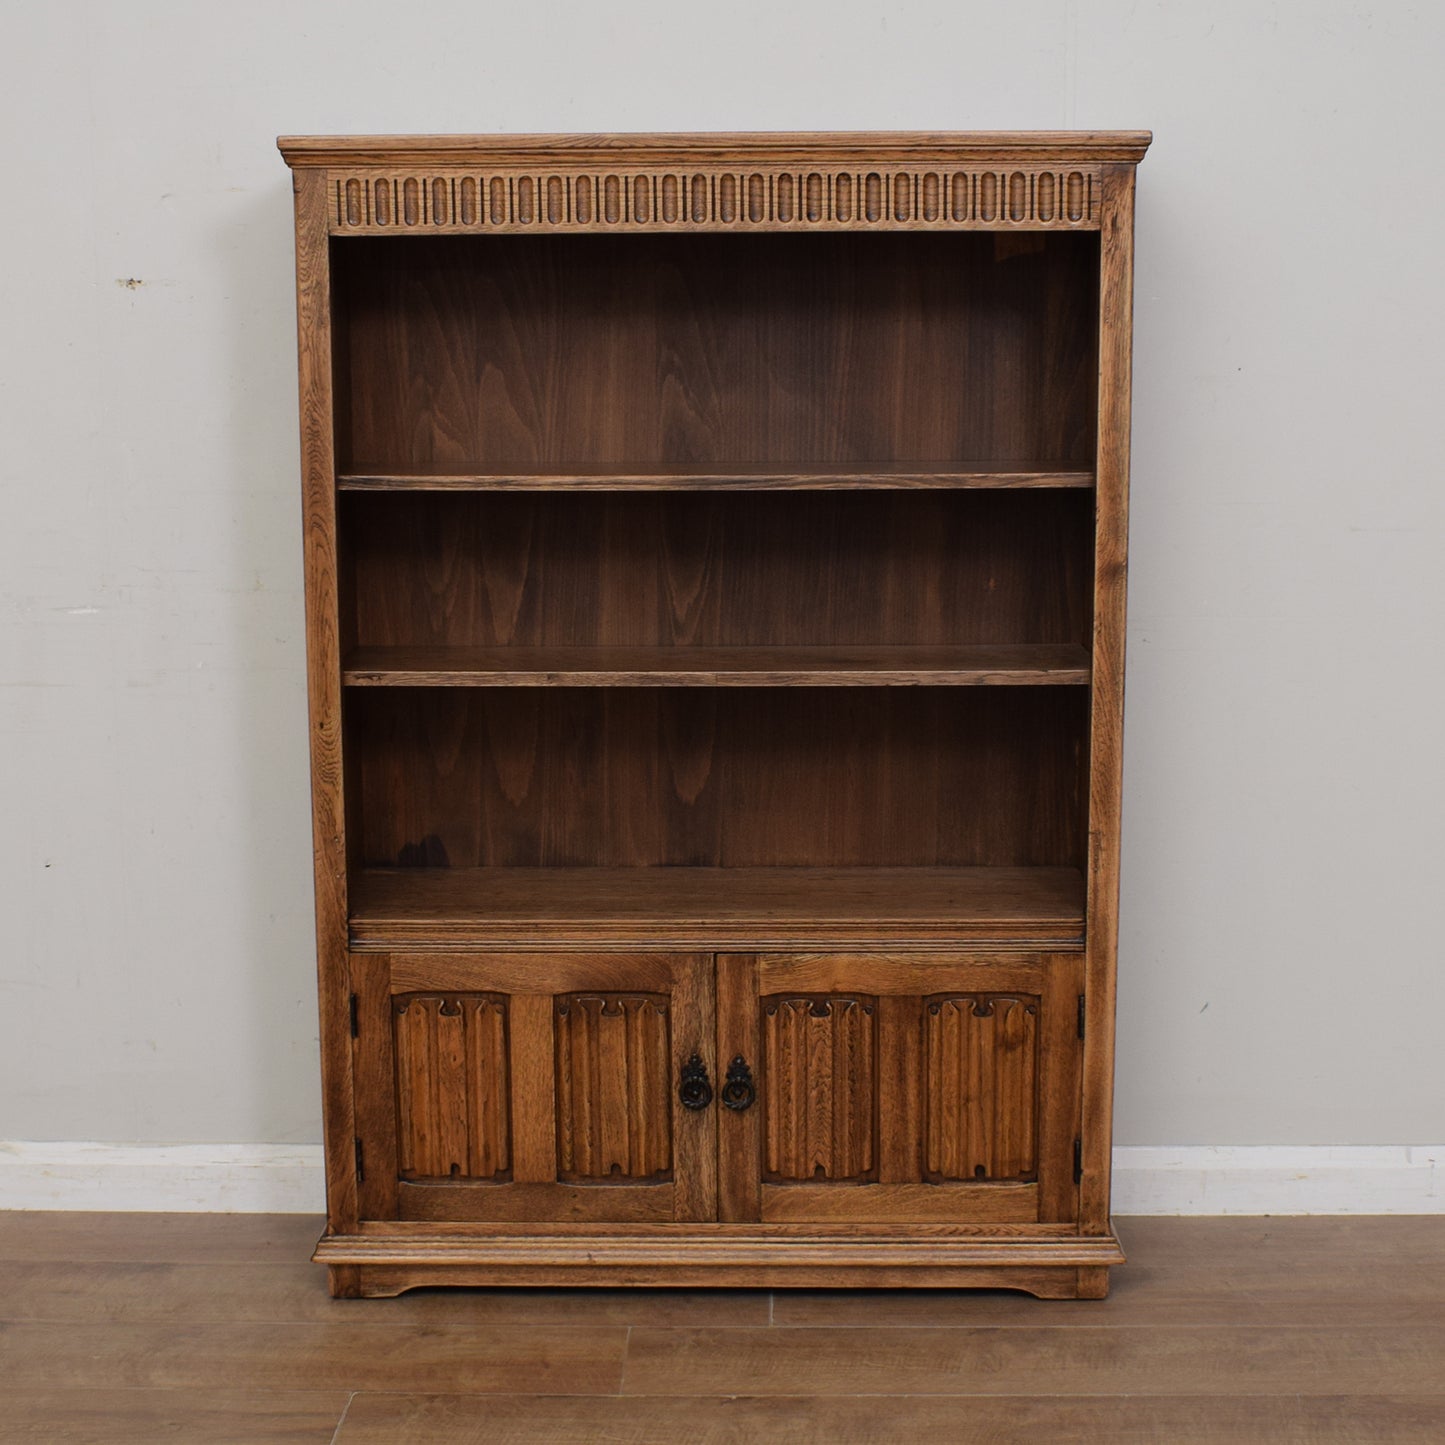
(890, 1089)
(532, 1087)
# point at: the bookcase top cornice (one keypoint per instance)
(822, 148)
(830, 181)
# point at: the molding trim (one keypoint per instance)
(705, 198)
(809, 148)
(287, 1178)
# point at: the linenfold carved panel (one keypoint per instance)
(372, 202)
(981, 1068)
(453, 1105)
(820, 1087)
(614, 1096)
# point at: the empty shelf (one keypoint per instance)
(717, 907)
(1023, 664)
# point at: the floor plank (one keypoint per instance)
(217, 1328)
(296, 1293)
(1317, 1272)
(1038, 1361)
(1303, 1232)
(145, 1417)
(159, 1238)
(803, 1420)
(540, 1360)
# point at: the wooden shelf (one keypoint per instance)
(735, 476)
(1022, 664)
(717, 908)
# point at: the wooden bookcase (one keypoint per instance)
(715, 557)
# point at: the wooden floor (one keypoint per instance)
(214, 1328)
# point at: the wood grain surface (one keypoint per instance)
(534, 1088)
(978, 1086)
(1321, 1331)
(735, 476)
(715, 907)
(321, 401)
(66, 1416)
(728, 777)
(540, 352)
(452, 1088)
(735, 570)
(841, 146)
(824, 1420)
(1018, 665)
(744, 574)
(1106, 721)
(1104, 1361)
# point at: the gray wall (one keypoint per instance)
(1280, 957)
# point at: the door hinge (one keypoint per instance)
(1078, 1160)
(355, 1018)
(360, 1163)
(1081, 1014)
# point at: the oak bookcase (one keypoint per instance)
(715, 554)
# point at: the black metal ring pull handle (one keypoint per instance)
(694, 1088)
(737, 1090)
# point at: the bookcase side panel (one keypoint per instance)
(323, 668)
(1107, 705)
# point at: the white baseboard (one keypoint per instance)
(189, 1178)
(1281, 1179)
(286, 1178)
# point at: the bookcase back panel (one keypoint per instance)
(572, 777)
(735, 569)
(530, 352)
